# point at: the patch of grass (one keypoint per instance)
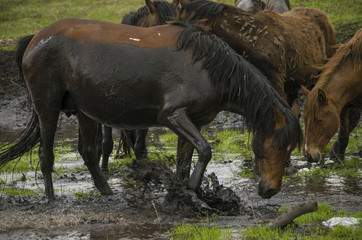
(205, 230)
(84, 194)
(22, 192)
(308, 226)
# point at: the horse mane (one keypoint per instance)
(245, 82)
(204, 10)
(165, 12)
(351, 50)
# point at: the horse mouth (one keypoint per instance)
(313, 158)
(266, 192)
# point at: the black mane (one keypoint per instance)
(203, 10)
(247, 85)
(165, 11)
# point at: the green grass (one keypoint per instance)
(309, 226)
(22, 192)
(206, 229)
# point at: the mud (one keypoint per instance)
(148, 200)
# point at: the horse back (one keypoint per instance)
(155, 37)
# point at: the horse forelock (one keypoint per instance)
(165, 11)
(246, 84)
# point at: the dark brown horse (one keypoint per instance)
(286, 47)
(130, 77)
(153, 13)
(335, 101)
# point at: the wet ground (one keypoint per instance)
(149, 207)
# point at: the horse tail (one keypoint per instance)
(30, 136)
(21, 47)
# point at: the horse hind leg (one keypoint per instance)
(87, 147)
(140, 148)
(349, 119)
(107, 147)
(48, 126)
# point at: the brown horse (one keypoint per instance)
(131, 77)
(335, 101)
(286, 47)
(153, 13)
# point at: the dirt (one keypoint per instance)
(148, 208)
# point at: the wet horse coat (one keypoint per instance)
(152, 14)
(130, 77)
(286, 47)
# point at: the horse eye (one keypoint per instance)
(320, 121)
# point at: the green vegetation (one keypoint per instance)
(84, 194)
(309, 226)
(206, 229)
(22, 192)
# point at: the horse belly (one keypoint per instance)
(120, 86)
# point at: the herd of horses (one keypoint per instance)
(178, 65)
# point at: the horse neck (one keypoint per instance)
(343, 85)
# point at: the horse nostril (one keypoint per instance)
(269, 193)
(310, 158)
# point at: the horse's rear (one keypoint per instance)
(335, 101)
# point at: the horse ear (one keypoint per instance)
(305, 90)
(322, 96)
(151, 6)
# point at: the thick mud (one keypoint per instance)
(148, 200)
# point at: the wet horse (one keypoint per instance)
(278, 6)
(335, 101)
(153, 13)
(130, 77)
(286, 47)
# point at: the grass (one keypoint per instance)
(309, 226)
(206, 229)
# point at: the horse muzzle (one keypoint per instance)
(265, 190)
(313, 157)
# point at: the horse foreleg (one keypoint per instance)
(140, 149)
(107, 147)
(88, 131)
(349, 118)
(183, 127)
(184, 157)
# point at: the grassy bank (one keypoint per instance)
(20, 18)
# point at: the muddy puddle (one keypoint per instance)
(150, 207)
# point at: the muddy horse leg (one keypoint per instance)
(185, 151)
(87, 147)
(140, 149)
(349, 119)
(183, 127)
(107, 147)
(48, 126)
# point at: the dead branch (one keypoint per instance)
(293, 212)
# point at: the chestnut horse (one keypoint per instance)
(130, 77)
(153, 13)
(335, 101)
(286, 47)
(278, 6)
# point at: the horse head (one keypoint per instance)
(272, 152)
(154, 13)
(321, 121)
